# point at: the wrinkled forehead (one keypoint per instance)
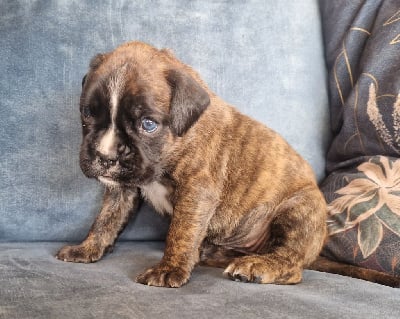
(127, 83)
(108, 87)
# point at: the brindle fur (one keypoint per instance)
(238, 195)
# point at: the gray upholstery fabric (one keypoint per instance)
(266, 57)
(36, 285)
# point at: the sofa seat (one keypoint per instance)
(34, 284)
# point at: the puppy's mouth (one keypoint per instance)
(111, 176)
(120, 174)
(108, 180)
(115, 176)
(106, 175)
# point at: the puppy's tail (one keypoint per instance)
(325, 265)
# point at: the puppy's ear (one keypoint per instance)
(94, 64)
(97, 60)
(188, 101)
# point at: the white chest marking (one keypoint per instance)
(157, 195)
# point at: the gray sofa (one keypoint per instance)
(266, 57)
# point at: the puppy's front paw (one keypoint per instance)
(164, 276)
(79, 254)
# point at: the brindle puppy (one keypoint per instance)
(238, 195)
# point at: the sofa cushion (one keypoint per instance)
(36, 285)
(266, 57)
(362, 43)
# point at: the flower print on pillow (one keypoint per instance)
(370, 202)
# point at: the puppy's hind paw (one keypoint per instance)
(260, 270)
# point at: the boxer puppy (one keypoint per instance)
(237, 194)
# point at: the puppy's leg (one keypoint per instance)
(188, 227)
(118, 204)
(297, 234)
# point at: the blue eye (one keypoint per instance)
(149, 125)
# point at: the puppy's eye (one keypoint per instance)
(86, 112)
(149, 125)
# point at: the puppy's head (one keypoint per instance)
(135, 102)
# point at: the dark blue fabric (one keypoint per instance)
(362, 40)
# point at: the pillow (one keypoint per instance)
(364, 209)
(362, 41)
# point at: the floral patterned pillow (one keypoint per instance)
(362, 42)
(364, 215)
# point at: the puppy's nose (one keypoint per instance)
(106, 160)
(110, 146)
